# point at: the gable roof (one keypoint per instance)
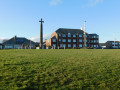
(18, 40)
(71, 31)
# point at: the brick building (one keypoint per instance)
(72, 38)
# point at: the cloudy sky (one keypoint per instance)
(21, 17)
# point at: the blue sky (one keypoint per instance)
(21, 17)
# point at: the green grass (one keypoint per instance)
(60, 69)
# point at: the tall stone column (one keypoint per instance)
(41, 34)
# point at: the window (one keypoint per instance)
(54, 40)
(64, 40)
(91, 41)
(94, 45)
(16, 46)
(54, 45)
(97, 41)
(74, 45)
(64, 45)
(115, 46)
(69, 40)
(64, 35)
(91, 45)
(59, 35)
(69, 35)
(80, 40)
(60, 45)
(8, 46)
(74, 35)
(80, 45)
(116, 43)
(113, 43)
(69, 45)
(74, 40)
(59, 40)
(80, 35)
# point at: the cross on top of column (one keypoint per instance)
(41, 21)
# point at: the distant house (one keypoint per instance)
(18, 43)
(113, 44)
(72, 38)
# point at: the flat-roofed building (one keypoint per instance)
(113, 44)
(71, 38)
(93, 40)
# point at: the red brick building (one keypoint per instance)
(72, 38)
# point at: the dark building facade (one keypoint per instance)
(1, 46)
(72, 38)
(113, 44)
(93, 40)
(18, 43)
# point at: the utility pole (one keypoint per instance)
(84, 34)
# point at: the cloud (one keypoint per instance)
(3, 38)
(92, 3)
(0, 40)
(55, 2)
(37, 38)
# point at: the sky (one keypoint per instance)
(21, 17)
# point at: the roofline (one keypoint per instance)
(69, 28)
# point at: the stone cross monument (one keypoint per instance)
(41, 34)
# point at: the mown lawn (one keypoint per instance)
(59, 69)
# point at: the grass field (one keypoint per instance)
(59, 69)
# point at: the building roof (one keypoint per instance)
(18, 40)
(94, 34)
(114, 41)
(71, 31)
